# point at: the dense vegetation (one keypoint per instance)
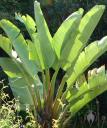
(55, 13)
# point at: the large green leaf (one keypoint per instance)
(28, 22)
(17, 82)
(86, 28)
(66, 31)
(39, 51)
(32, 51)
(97, 83)
(44, 36)
(5, 44)
(10, 68)
(21, 48)
(35, 52)
(86, 58)
(84, 61)
(84, 100)
(19, 44)
(96, 78)
(21, 91)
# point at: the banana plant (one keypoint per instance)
(30, 62)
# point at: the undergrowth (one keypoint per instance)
(9, 113)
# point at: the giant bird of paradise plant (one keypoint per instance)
(30, 61)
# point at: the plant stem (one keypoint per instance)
(53, 81)
(59, 94)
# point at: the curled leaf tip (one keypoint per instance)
(102, 41)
